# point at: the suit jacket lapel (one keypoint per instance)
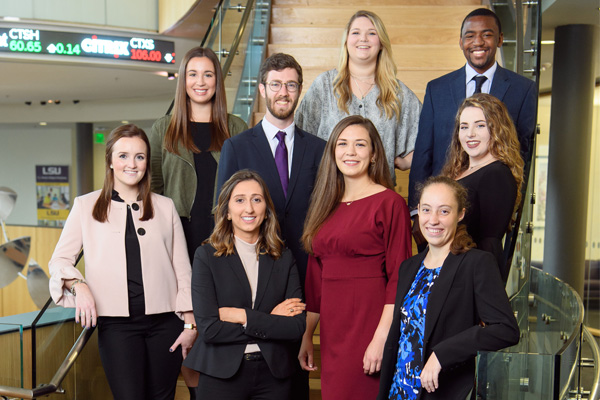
(265, 267)
(440, 291)
(235, 263)
(459, 88)
(270, 174)
(297, 156)
(500, 83)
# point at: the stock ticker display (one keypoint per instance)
(73, 44)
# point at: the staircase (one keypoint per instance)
(424, 35)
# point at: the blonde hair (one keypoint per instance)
(388, 101)
(503, 145)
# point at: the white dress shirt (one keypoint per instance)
(470, 83)
(271, 134)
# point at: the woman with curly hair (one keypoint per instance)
(365, 84)
(484, 157)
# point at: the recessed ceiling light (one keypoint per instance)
(124, 122)
(547, 41)
(43, 123)
(12, 19)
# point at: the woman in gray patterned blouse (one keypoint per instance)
(365, 84)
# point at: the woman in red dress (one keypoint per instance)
(357, 233)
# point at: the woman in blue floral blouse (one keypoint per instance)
(450, 304)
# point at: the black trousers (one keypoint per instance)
(300, 385)
(253, 381)
(135, 355)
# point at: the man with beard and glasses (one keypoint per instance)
(285, 156)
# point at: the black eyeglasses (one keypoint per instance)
(290, 86)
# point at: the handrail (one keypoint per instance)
(594, 392)
(213, 20)
(59, 376)
(238, 37)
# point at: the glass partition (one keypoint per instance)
(238, 34)
(545, 364)
(12, 361)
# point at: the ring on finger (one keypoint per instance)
(292, 309)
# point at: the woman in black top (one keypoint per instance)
(484, 157)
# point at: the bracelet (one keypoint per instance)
(189, 326)
(75, 283)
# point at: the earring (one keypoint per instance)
(111, 167)
(372, 161)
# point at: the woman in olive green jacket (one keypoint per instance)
(186, 147)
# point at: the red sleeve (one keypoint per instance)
(398, 240)
(313, 285)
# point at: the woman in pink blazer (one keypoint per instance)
(137, 273)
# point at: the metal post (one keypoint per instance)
(84, 157)
(575, 56)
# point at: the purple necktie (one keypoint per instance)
(479, 82)
(281, 160)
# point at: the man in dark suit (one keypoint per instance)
(280, 85)
(286, 157)
(481, 35)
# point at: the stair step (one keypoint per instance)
(448, 16)
(406, 56)
(332, 35)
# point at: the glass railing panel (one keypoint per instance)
(255, 50)
(12, 363)
(54, 337)
(544, 365)
(225, 25)
(55, 334)
(515, 376)
(235, 63)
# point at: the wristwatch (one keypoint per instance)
(189, 326)
(75, 283)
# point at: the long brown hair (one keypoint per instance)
(462, 241)
(503, 144)
(222, 239)
(178, 131)
(388, 101)
(100, 211)
(329, 185)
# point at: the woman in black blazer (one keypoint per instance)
(450, 303)
(247, 299)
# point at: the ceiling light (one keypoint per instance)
(75, 101)
(56, 101)
(12, 19)
(50, 101)
(170, 76)
(547, 42)
(124, 122)
(43, 103)
(28, 103)
(43, 123)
